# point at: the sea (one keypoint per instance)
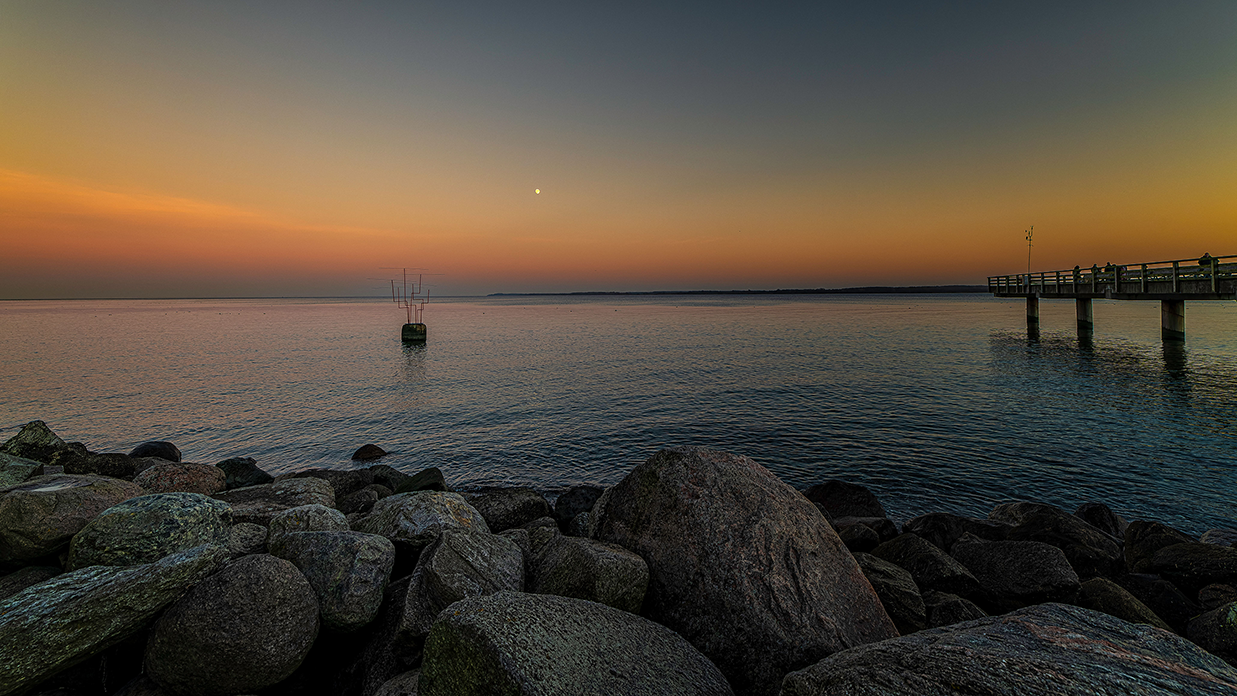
(935, 402)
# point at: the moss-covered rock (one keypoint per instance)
(348, 570)
(1216, 631)
(34, 441)
(306, 518)
(413, 520)
(1101, 594)
(15, 470)
(40, 517)
(589, 569)
(149, 527)
(258, 504)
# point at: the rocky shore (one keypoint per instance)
(699, 573)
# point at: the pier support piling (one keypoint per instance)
(1086, 317)
(1172, 320)
(1032, 314)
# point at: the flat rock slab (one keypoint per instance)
(257, 504)
(1046, 650)
(535, 645)
(169, 477)
(40, 516)
(70, 617)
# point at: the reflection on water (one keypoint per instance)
(936, 403)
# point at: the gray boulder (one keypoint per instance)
(156, 448)
(240, 630)
(149, 527)
(389, 476)
(349, 572)
(1193, 565)
(740, 564)
(1102, 517)
(22, 578)
(34, 441)
(1143, 539)
(842, 499)
(1216, 632)
(305, 518)
(859, 538)
(897, 591)
(16, 470)
(257, 504)
(507, 508)
(1090, 551)
(112, 464)
(943, 529)
(68, 618)
(246, 537)
(945, 609)
(515, 643)
(363, 500)
(574, 501)
(1014, 574)
(40, 517)
(368, 452)
(1046, 650)
(242, 472)
(182, 477)
(343, 481)
(413, 520)
(1223, 537)
(932, 568)
(588, 569)
(430, 479)
(1101, 594)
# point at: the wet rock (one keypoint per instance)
(242, 472)
(182, 478)
(858, 537)
(240, 630)
(360, 501)
(1091, 552)
(1102, 517)
(257, 504)
(1143, 539)
(343, 481)
(897, 591)
(945, 609)
(1216, 596)
(515, 643)
(112, 464)
(931, 568)
(1216, 632)
(349, 572)
(389, 477)
(157, 448)
(368, 452)
(740, 564)
(1161, 597)
(587, 569)
(413, 520)
(842, 499)
(305, 518)
(40, 516)
(1101, 594)
(943, 529)
(507, 508)
(144, 529)
(15, 470)
(430, 479)
(67, 619)
(1193, 565)
(34, 441)
(22, 578)
(246, 538)
(1223, 537)
(1046, 650)
(574, 501)
(1014, 574)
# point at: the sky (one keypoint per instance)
(219, 149)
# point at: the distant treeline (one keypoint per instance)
(868, 290)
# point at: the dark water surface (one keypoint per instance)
(934, 402)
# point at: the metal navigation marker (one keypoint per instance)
(412, 299)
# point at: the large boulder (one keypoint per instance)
(157, 448)
(740, 564)
(1143, 539)
(240, 630)
(1216, 595)
(15, 470)
(1102, 594)
(305, 518)
(1046, 650)
(344, 481)
(1102, 517)
(413, 520)
(589, 569)
(522, 644)
(897, 591)
(1223, 536)
(931, 567)
(40, 516)
(349, 572)
(507, 508)
(149, 527)
(1014, 574)
(258, 504)
(182, 478)
(242, 472)
(842, 499)
(1193, 565)
(246, 537)
(1162, 597)
(943, 529)
(34, 441)
(1090, 551)
(1216, 632)
(574, 501)
(57, 623)
(392, 478)
(22, 578)
(112, 464)
(430, 479)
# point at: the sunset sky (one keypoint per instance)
(188, 149)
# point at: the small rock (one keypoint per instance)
(1216, 596)
(1216, 632)
(29, 576)
(943, 529)
(348, 570)
(931, 568)
(1090, 551)
(360, 501)
(1143, 539)
(578, 526)
(144, 529)
(257, 504)
(242, 629)
(885, 529)
(587, 569)
(388, 476)
(574, 501)
(1101, 594)
(242, 472)
(34, 441)
(157, 448)
(1102, 517)
(367, 452)
(945, 609)
(182, 478)
(897, 591)
(1223, 537)
(305, 518)
(246, 538)
(40, 517)
(1014, 574)
(842, 499)
(429, 480)
(858, 537)
(507, 508)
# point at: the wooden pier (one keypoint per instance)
(1170, 282)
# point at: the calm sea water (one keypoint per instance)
(933, 402)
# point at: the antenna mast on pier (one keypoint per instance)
(412, 298)
(1030, 233)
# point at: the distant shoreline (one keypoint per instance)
(867, 290)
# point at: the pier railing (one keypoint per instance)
(1211, 277)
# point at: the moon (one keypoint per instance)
(536, 190)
